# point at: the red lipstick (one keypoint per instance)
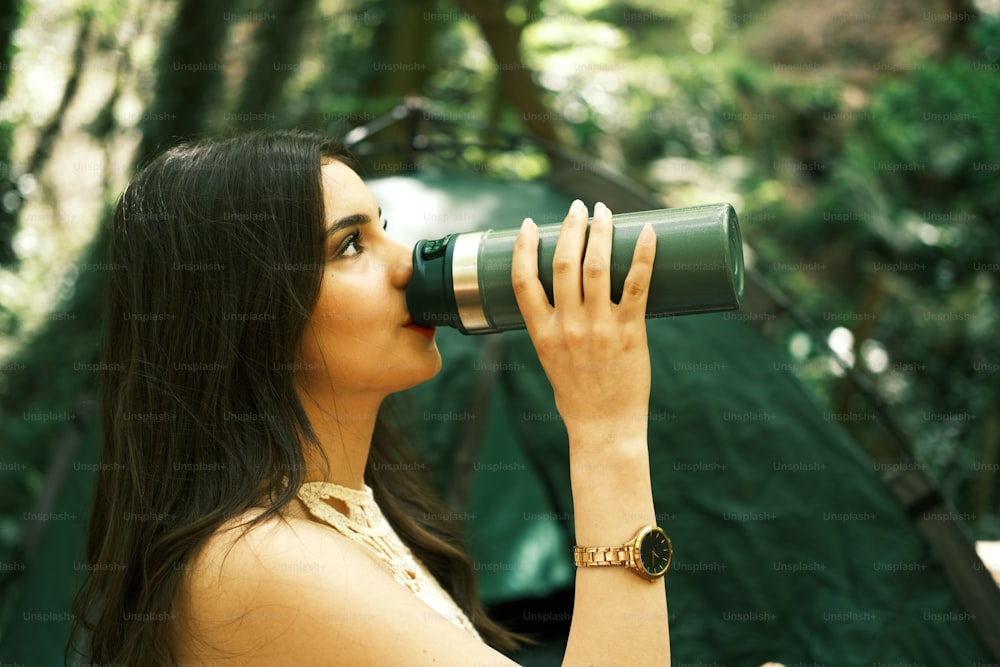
(423, 331)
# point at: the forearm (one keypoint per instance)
(618, 617)
(596, 355)
(612, 494)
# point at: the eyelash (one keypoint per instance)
(353, 240)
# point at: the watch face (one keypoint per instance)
(655, 552)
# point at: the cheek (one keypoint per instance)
(353, 307)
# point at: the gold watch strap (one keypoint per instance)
(601, 556)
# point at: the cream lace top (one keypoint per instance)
(366, 525)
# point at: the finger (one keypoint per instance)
(597, 262)
(636, 289)
(566, 287)
(528, 290)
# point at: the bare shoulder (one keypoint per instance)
(291, 587)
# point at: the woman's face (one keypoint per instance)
(360, 339)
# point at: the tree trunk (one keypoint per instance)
(516, 82)
(279, 46)
(402, 50)
(10, 17)
(50, 132)
(190, 77)
(402, 61)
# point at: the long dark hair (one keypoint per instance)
(217, 258)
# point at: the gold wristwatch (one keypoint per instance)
(648, 554)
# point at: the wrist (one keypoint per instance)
(612, 495)
(620, 468)
(608, 437)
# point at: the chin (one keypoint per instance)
(409, 375)
(433, 368)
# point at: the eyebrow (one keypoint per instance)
(350, 221)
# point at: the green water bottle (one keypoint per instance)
(463, 280)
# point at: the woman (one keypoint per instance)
(254, 508)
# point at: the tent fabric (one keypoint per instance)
(788, 546)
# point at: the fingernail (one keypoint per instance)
(527, 224)
(600, 209)
(577, 207)
(646, 236)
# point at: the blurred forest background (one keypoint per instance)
(859, 141)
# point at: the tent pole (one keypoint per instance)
(965, 571)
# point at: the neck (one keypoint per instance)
(343, 425)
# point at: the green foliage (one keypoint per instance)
(906, 238)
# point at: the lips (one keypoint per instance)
(423, 331)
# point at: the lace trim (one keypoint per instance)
(365, 524)
(364, 516)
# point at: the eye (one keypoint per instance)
(351, 245)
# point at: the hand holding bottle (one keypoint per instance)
(594, 352)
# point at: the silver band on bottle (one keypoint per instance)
(465, 278)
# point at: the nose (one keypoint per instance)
(400, 264)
